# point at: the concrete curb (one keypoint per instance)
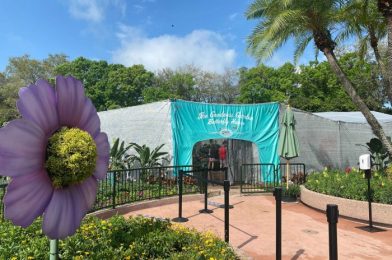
(382, 213)
(124, 209)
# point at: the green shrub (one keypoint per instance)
(115, 238)
(293, 191)
(351, 185)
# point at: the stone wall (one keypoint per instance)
(382, 213)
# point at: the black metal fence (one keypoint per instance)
(258, 177)
(264, 177)
(296, 172)
(127, 186)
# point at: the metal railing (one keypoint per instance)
(261, 177)
(297, 173)
(128, 186)
(264, 177)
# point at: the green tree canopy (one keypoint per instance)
(109, 85)
(313, 87)
(190, 83)
(20, 72)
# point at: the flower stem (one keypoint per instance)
(54, 249)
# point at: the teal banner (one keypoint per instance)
(194, 122)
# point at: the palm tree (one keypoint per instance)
(305, 20)
(146, 158)
(362, 19)
(385, 8)
(118, 155)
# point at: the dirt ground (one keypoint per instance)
(304, 230)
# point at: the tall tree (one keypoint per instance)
(109, 85)
(194, 84)
(170, 83)
(22, 71)
(362, 19)
(29, 70)
(305, 20)
(385, 8)
(267, 84)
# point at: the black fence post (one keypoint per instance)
(205, 179)
(180, 181)
(159, 184)
(226, 186)
(114, 190)
(332, 217)
(278, 199)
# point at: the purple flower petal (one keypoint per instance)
(70, 100)
(89, 120)
(27, 197)
(38, 104)
(103, 150)
(22, 148)
(67, 208)
(86, 193)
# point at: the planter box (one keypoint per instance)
(382, 213)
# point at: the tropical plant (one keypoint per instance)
(305, 20)
(377, 151)
(145, 157)
(119, 158)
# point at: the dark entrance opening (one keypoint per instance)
(205, 154)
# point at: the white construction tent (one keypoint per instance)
(328, 139)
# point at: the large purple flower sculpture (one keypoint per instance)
(54, 154)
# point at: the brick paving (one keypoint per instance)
(304, 230)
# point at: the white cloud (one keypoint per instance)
(233, 16)
(86, 10)
(138, 8)
(93, 10)
(121, 5)
(201, 48)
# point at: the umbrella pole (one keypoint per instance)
(287, 174)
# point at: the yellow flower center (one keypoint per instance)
(71, 157)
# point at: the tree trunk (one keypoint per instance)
(385, 75)
(374, 124)
(389, 53)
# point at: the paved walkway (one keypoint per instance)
(304, 230)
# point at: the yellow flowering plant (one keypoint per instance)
(117, 238)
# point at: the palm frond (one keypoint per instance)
(301, 43)
(363, 44)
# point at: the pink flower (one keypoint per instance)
(32, 191)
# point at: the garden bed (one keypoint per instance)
(382, 213)
(116, 238)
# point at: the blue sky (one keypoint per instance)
(210, 34)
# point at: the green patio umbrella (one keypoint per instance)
(288, 142)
